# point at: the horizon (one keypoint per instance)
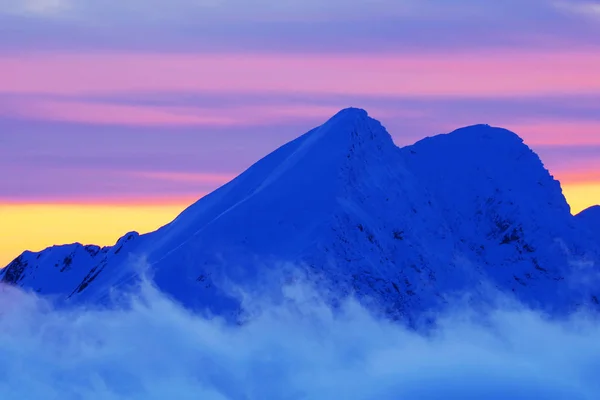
(86, 212)
(117, 117)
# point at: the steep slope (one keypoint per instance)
(327, 200)
(508, 213)
(407, 227)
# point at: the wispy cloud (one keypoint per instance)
(42, 8)
(160, 11)
(106, 113)
(293, 25)
(88, 146)
(191, 177)
(499, 73)
(584, 8)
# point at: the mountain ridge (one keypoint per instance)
(406, 226)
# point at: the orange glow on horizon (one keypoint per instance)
(581, 194)
(37, 226)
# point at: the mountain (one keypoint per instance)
(407, 227)
(589, 219)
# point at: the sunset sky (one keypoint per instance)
(116, 114)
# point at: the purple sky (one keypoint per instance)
(119, 99)
(296, 25)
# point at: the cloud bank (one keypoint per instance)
(295, 349)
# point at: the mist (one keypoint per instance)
(298, 348)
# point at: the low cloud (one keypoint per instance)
(294, 348)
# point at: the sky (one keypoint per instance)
(117, 114)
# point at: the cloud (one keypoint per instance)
(224, 133)
(501, 74)
(162, 11)
(297, 348)
(107, 113)
(44, 8)
(584, 8)
(291, 25)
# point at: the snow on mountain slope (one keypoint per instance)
(590, 219)
(407, 227)
(25, 269)
(57, 270)
(298, 204)
(509, 214)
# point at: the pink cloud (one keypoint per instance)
(156, 199)
(558, 132)
(502, 73)
(578, 176)
(102, 113)
(143, 115)
(187, 177)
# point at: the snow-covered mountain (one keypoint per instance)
(590, 219)
(470, 210)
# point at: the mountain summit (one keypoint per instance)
(406, 227)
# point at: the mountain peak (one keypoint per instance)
(350, 114)
(497, 159)
(485, 132)
(488, 145)
(348, 119)
(351, 127)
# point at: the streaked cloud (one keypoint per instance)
(584, 8)
(501, 73)
(293, 25)
(191, 177)
(559, 132)
(94, 112)
(42, 8)
(157, 11)
(111, 114)
(50, 161)
(161, 11)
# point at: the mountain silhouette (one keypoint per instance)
(345, 208)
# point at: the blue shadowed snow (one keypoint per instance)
(590, 220)
(404, 229)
